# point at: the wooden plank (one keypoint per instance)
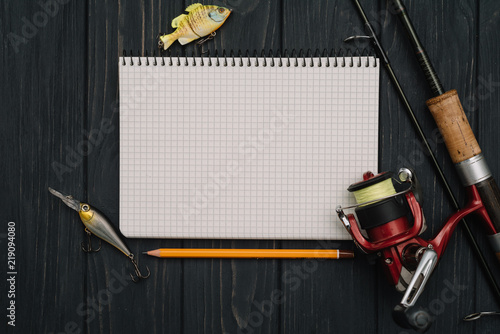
(151, 305)
(325, 296)
(229, 294)
(67, 74)
(137, 30)
(42, 64)
(318, 25)
(141, 22)
(483, 102)
(448, 31)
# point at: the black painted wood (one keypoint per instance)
(59, 94)
(452, 53)
(43, 83)
(483, 101)
(316, 290)
(227, 295)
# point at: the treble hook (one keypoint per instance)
(138, 273)
(89, 243)
(211, 36)
(160, 43)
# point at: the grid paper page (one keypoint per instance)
(253, 152)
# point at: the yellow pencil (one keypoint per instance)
(252, 253)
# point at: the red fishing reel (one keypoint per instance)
(389, 226)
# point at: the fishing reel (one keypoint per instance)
(389, 222)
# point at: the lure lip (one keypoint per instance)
(67, 199)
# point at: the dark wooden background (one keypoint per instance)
(59, 81)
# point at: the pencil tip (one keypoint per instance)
(144, 252)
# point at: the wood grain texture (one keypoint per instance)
(449, 38)
(225, 296)
(483, 101)
(318, 293)
(59, 94)
(42, 113)
(139, 307)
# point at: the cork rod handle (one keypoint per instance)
(454, 126)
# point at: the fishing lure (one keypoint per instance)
(96, 223)
(201, 21)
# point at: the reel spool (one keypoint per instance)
(380, 218)
(382, 212)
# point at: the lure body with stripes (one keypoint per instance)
(201, 21)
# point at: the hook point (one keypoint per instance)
(89, 249)
(138, 274)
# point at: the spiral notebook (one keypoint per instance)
(241, 147)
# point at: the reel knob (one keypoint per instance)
(415, 318)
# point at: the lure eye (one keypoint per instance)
(221, 10)
(85, 207)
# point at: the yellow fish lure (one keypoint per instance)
(201, 21)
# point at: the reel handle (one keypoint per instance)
(404, 314)
(420, 277)
(414, 318)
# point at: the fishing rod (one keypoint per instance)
(459, 138)
(462, 145)
(385, 60)
(402, 315)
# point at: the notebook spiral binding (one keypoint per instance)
(341, 58)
